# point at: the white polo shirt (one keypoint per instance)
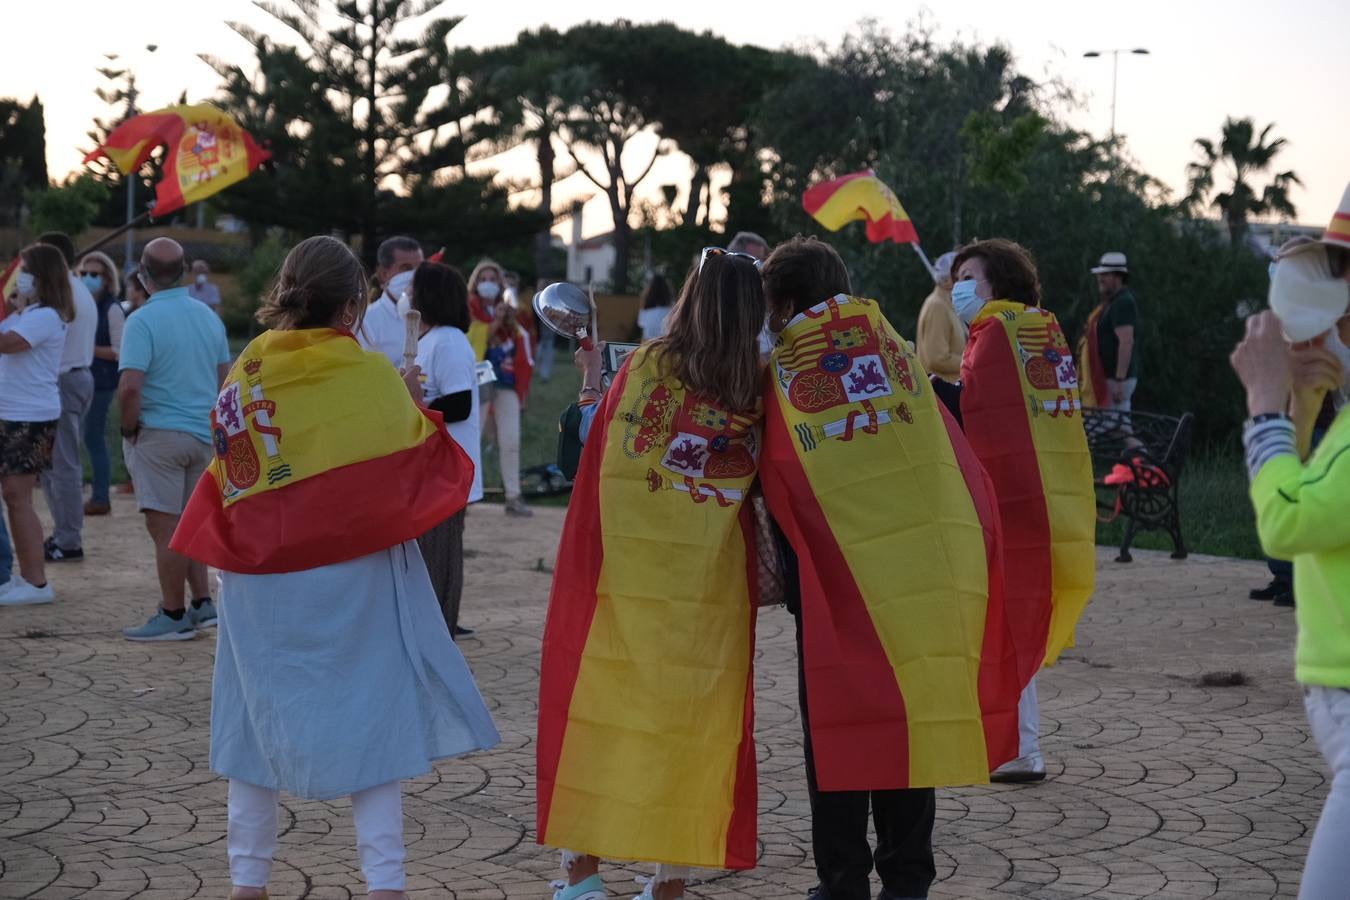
(79, 350)
(382, 330)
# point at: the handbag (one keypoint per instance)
(771, 577)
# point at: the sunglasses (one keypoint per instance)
(709, 252)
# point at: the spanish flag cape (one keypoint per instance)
(320, 457)
(909, 665)
(645, 744)
(1023, 416)
(480, 323)
(1093, 388)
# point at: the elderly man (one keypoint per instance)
(64, 482)
(173, 360)
(201, 288)
(752, 244)
(382, 328)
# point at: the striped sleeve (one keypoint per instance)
(1266, 440)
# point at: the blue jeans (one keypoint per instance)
(96, 442)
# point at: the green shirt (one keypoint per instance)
(1303, 514)
(1122, 310)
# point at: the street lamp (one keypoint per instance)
(1115, 62)
(130, 96)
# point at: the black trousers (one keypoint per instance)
(903, 820)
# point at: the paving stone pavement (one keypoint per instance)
(1160, 786)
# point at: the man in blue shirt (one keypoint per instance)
(173, 359)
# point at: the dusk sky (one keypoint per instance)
(1285, 63)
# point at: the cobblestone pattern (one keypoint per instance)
(1159, 786)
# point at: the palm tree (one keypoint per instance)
(1245, 155)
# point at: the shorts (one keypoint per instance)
(165, 467)
(26, 447)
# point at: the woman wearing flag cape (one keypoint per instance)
(907, 666)
(335, 673)
(645, 743)
(1023, 416)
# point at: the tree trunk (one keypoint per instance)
(698, 184)
(542, 240)
(618, 276)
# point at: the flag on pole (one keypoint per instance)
(861, 196)
(9, 283)
(207, 152)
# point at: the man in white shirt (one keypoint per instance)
(64, 482)
(382, 330)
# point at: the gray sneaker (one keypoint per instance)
(203, 616)
(160, 627)
(515, 506)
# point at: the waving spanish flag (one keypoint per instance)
(320, 457)
(909, 664)
(1024, 419)
(645, 745)
(861, 196)
(207, 152)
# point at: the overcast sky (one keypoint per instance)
(1285, 63)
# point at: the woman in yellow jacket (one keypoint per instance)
(1301, 505)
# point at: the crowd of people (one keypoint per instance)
(924, 511)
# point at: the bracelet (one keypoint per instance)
(1268, 417)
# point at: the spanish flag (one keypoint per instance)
(861, 196)
(645, 742)
(1024, 419)
(1093, 387)
(207, 152)
(909, 664)
(320, 457)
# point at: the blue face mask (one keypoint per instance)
(967, 303)
(94, 283)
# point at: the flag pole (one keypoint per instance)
(114, 234)
(923, 257)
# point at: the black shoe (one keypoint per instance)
(1285, 599)
(53, 553)
(887, 895)
(1276, 587)
(459, 632)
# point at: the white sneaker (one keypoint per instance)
(1020, 771)
(17, 592)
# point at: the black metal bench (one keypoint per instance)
(1137, 459)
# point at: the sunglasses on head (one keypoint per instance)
(709, 252)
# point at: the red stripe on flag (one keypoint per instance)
(889, 228)
(344, 513)
(994, 412)
(870, 750)
(1000, 682)
(571, 607)
(818, 195)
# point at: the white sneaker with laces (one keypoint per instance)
(17, 592)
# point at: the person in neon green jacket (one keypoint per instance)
(1290, 357)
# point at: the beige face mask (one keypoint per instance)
(1304, 295)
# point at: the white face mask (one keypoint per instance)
(201, 280)
(489, 290)
(26, 284)
(398, 285)
(966, 301)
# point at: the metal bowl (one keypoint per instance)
(565, 309)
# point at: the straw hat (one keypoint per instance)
(1112, 261)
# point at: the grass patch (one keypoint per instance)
(1216, 515)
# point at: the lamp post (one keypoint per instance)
(130, 96)
(1115, 64)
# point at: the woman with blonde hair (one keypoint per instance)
(645, 743)
(335, 673)
(32, 339)
(99, 274)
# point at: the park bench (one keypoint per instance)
(1137, 460)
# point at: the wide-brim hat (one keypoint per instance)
(1336, 235)
(1112, 261)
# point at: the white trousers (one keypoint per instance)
(503, 408)
(378, 814)
(1029, 721)
(1327, 872)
